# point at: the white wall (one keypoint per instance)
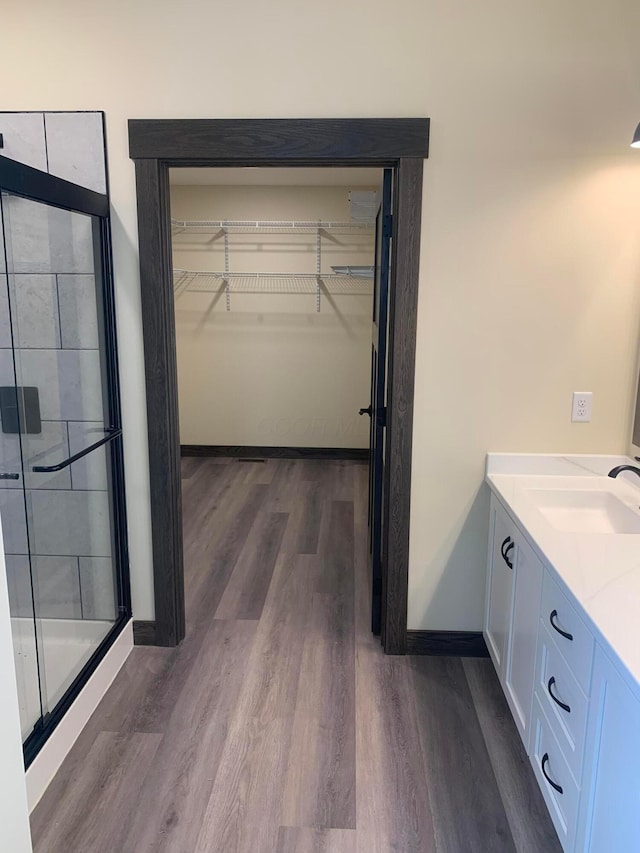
(272, 371)
(529, 271)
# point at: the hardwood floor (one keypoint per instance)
(278, 726)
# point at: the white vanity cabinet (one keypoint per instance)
(521, 654)
(514, 584)
(609, 818)
(499, 595)
(575, 709)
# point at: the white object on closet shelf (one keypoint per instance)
(363, 204)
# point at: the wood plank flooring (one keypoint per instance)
(278, 726)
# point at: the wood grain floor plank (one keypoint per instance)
(393, 807)
(337, 549)
(245, 804)
(311, 518)
(393, 811)
(320, 783)
(313, 470)
(188, 465)
(467, 808)
(139, 698)
(216, 561)
(530, 823)
(89, 817)
(246, 590)
(202, 485)
(283, 491)
(309, 840)
(392, 798)
(172, 805)
(258, 472)
(342, 479)
(208, 500)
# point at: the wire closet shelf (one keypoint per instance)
(291, 226)
(260, 282)
(348, 280)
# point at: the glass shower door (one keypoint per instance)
(14, 529)
(63, 515)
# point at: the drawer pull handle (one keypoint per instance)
(565, 634)
(505, 549)
(555, 698)
(556, 787)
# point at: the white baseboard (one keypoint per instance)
(47, 763)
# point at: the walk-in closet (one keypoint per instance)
(273, 282)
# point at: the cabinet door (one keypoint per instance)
(520, 658)
(610, 808)
(499, 585)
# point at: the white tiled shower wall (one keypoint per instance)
(56, 338)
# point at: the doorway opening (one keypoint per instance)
(278, 276)
(400, 145)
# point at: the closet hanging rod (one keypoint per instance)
(269, 226)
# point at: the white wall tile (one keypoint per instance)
(57, 587)
(75, 145)
(34, 306)
(69, 382)
(44, 239)
(5, 323)
(24, 139)
(90, 472)
(78, 311)
(49, 447)
(10, 461)
(7, 373)
(69, 523)
(19, 583)
(14, 521)
(97, 586)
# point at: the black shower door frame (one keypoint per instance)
(32, 184)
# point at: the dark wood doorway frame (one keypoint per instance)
(156, 145)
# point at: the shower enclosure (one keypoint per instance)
(61, 476)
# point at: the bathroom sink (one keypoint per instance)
(585, 511)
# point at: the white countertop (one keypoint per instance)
(600, 570)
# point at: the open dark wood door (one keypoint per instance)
(377, 407)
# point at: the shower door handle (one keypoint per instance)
(47, 469)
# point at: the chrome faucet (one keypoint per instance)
(619, 468)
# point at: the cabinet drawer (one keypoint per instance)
(570, 634)
(562, 698)
(559, 788)
(499, 597)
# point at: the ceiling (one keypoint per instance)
(281, 177)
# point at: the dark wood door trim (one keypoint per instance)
(156, 145)
(270, 142)
(403, 311)
(159, 336)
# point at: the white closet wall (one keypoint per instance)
(271, 371)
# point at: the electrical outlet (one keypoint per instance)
(581, 407)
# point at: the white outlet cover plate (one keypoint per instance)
(581, 406)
